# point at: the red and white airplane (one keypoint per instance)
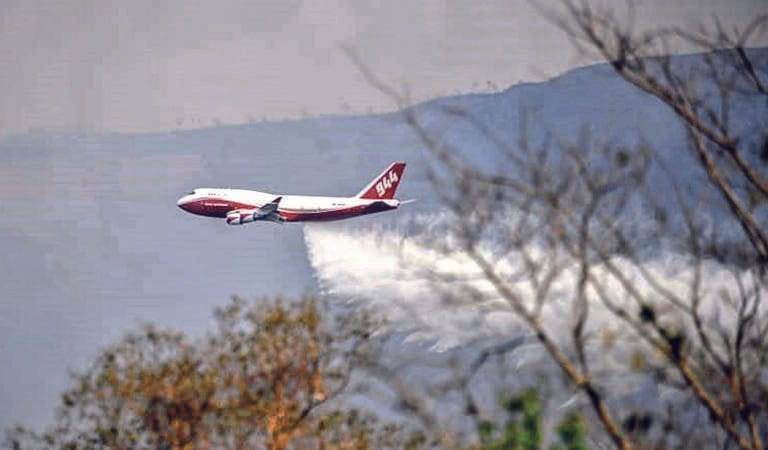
(241, 206)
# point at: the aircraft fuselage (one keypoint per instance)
(219, 203)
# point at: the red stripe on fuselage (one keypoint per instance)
(217, 207)
(214, 207)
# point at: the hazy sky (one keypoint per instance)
(152, 65)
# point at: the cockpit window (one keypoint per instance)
(191, 193)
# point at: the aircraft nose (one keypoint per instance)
(182, 202)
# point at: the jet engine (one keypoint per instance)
(240, 216)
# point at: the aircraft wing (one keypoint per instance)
(267, 209)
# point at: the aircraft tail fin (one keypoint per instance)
(385, 185)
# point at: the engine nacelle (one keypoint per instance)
(240, 216)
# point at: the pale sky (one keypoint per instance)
(141, 65)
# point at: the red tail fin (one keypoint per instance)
(384, 185)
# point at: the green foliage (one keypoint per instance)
(523, 430)
(572, 432)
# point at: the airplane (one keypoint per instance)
(240, 206)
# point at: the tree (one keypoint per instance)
(257, 381)
(275, 374)
(730, 156)
(554, 228)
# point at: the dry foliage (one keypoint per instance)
(258, 381)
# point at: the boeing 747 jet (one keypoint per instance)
(240, 206)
